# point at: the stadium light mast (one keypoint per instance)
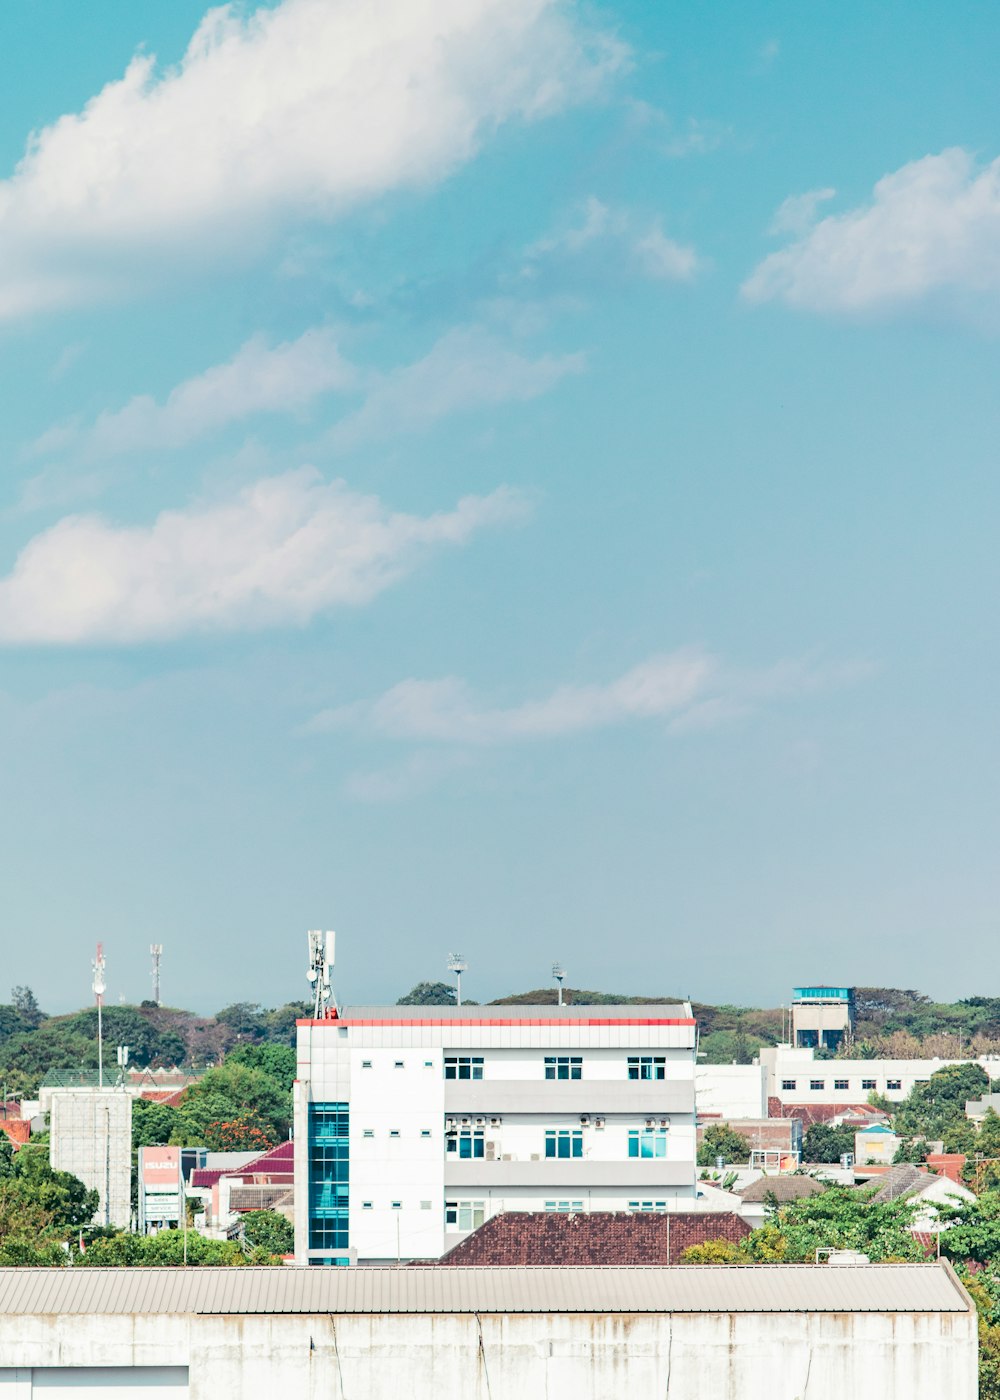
(156, 953)
(559, 972)
(99, 986)
(457, 965)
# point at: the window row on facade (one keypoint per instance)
(470, 1143)
(637, 1067)
(840, 1085)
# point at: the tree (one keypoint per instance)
(429, 994)
(24, 1003)
(930, 1109)
(276, 1061)
(62, 1197)
(238, 1091)
(269, 1231)
(246, 1019)
(844, 1218)
(246, 1133)
(722, 1141)
(823, 1143)
(166, 1248)
(913, 1150)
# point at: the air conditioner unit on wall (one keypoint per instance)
(495, 1122)
(585, 1120)
(490, 1151)
(598, 1122)
(480, 1122)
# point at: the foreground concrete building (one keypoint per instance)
(91, 1136)
(771, 1332)
(414, 1124)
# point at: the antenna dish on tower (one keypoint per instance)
(321, 948)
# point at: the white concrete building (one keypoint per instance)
(766, 1332)
(731, 1091)
(795, 1076)
(415, 1124)
(91, 1136)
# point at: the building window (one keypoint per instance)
(394, 1132)
(366, 1205)
(397, 1205)
(329, 1168)
(788, 1084)
(648, 1207)
(841, 1084)
(463, 1066)
(647, 1142)
(563, 1066)
(366, 1064)
(398, 1064)
(564, 1207)
(467, 1143)
(425, 1132)
(817, 1084)
(894, 1084)
(563, 1142)
(647, 1066)
(464, 1215)
(869, 1084)
(368, 1132)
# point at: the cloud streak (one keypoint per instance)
(304, 109)
(285, 378)
(931, 231)
(687, 690)
(618, 236)
(281, 552)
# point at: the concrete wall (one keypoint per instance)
(778, 1356)
(92, 1138)
(731, 1091)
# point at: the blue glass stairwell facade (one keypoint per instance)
(329, 1172)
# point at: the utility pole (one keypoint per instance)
(156, 951)
(99, 987)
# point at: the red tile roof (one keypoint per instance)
(275, 1165)
(598, 1238)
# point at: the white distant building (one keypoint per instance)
(413, 1124)
(91, 1136)
(795, 1076)
(731, 1091)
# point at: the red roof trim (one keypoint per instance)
(520, 1021)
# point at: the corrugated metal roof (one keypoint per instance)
(882, 1288)
(522, 1011)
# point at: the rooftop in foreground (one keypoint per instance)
(541, 1011)
(766, 1288)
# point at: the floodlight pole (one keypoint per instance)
(99, 987)
(559, 972)
(457, 965)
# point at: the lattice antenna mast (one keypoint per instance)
(321, 951)
(559, 972)
(457, 965)
(100, 987)
(156, 953)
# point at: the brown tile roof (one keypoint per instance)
(810, 1113)
(598, 1238)
(900, 1180)
(782, 1188)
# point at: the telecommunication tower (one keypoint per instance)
(99, 986)
(156, 953)
(321, 950)
(457, 965)
(559, 972)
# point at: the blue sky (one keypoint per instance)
(518, 477)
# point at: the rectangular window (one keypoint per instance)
(366, 1064)
(368, 1132)
(563, 1066)
(894, 1084)
(788, 1084)
(366, 1205)
(464, 1215)
(394, 1132)
(398, 1064)
(647, 1142)
(467, 1143)
(817, 1084)
(869, 1083)
(329, 1168)
(563, 1142)
(564, 1207)
(841, 1084)
(649, 1207)
(463, 1066)
(425, 1132)
(647, 1066)
(397, 1205)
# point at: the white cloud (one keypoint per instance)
(931, 230)
(259, 379)
(300, 109)
(280, 552)
(468, 368)
(686, 689)
(619, 237)
(797, 214)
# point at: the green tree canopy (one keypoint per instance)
(722, 1141)
(845, 1218)
(823, 1143)
(429, 994)
(268, 1231)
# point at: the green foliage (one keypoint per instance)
(844, 1218)
(23, 1002)
(276, 1061)
(166, 1248)
(930, 1109)
(912, 1150)
(429, 994)
(822, 1143)
(246, 1019)
(722, 1141)
(268, 1231)
(973, 1230)
(235, 1090)
(245, 1133)
(714, 1252)
(764, 1246)
(32, 1184)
